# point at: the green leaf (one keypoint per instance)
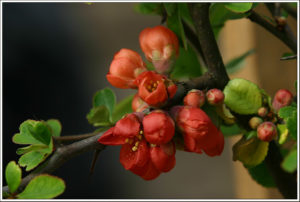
(149, 8)
(283, 133)
(250, 152)
(286, 112)
(218, 15)
(99, 116)
(170, 8)
(238, 62)
(239, 7)
(105, 97)
(230, 130)
(187, 65)
(13, 176)
(41, 132)
(31, 159)
(175, 24)
(261, 175)
(55, 126)
(185, 13)
(27, 149)
(242, 96)
(25, 136)
(291, 124)
(43, 187)
(289, 163)
(122, 108)
(251, 134)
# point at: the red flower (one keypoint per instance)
(215, 96)
(199, 132)
(125, 67)
(154, 88)
(137, 104)
(282, 98)
(136, 154)
(159, 44)
(266, 131)
(159, 128)
(194, 98)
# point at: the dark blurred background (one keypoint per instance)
(55, 57)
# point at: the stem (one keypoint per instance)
(286, 182)
(211, 53)
(288, 40)
(60, 156)
(73, 137)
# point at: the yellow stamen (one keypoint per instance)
(130, 141)
(139, 137)
(154, 85)
(152, 145)
(134, 148)
(137, 143)
(141, 132)
(126, 140)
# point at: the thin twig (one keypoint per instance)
(290, 42)
(73, 137)
(60, 156)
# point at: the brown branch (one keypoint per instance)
(288, 40)
(60, 156)
(69, 138)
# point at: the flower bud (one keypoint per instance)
(159, 45)
(125, 67)
(281, 99)
(254, 122)
(266, 131)
(163, 156)
(137, 104)
(194, 98)
(262, 112)
(159, 128)
(215, 97)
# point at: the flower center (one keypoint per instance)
(152, 85)
(135, 141)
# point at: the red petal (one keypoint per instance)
(218, 146)
(172, 90)
(151, 172)
(109, 139)
(190, 144)
(117, 81)
(163, 156)
(128, 127)
(132, 159)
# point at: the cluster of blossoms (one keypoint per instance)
(147, 136)
(264, 123)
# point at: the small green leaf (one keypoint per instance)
(35, 147)
(239, 7)
(237, 63)
(99, 116)
(170, 8)
(105, 97)
(286, 112)
(187, 65)
(31, 159)
(291, 124)
(231, 130)
(13, 176)
(250, 152)
(149, 8)
(251, 134)
(25, 136)
(242, 96)
(43, 187)
(261, 175)
(289, 163)
(41, 132)
(283, 133)
(122, 108)
(55, 126)
(218, 15)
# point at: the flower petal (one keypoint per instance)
(128, 127)
(163, 156)
(108, 138)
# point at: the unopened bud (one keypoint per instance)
(262, 112)
(254, 122)
(281, 99)
(266, 131)
(215, 97)
(194, 98)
